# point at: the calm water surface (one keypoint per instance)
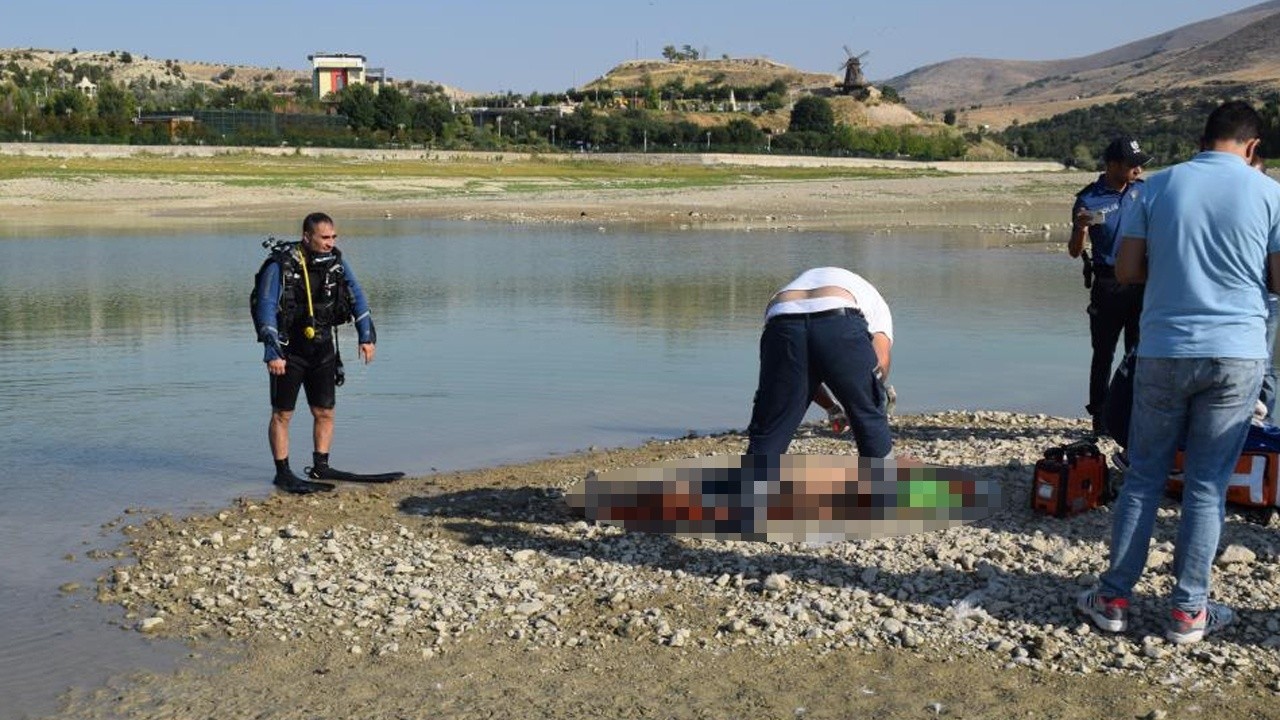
(131, 377)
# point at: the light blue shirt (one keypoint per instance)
(1209, 224)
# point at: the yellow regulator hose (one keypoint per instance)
(310, 331)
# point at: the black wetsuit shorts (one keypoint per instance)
(311, 365)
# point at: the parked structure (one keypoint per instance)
(332, 72)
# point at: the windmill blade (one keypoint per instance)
(868, 52)
(847, 51)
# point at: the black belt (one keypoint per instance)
(816, 315)
(1104, 271)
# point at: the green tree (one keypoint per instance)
(67, 103)
(391, 109)
(771, 102)
(114, 104)
(743, 133)
(194, 97)
(257, 100)
(812, 114)
(430, 116)
(356, 102)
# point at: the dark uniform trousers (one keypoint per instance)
(1114, 308)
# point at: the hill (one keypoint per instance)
(1239, 46)
(740, 72)
(125, 68)
(716, 76)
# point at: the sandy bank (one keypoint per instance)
(1027, 195)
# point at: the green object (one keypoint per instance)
(927, 493)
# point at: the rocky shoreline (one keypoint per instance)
(417, 570)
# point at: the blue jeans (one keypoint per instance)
(797, 353)
(1211, 401)
(1268, 394)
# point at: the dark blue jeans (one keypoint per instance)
(797, 353)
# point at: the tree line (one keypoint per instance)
(45, 105)
(1168, 124)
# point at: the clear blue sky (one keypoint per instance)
(499, 45)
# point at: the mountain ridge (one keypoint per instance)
(1149, 63)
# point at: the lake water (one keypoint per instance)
(131, 378)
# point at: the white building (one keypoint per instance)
(331, 72)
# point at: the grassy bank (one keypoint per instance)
(286, 170)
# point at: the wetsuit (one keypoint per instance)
(281, 313)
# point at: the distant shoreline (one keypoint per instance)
(102, 187)
(70, 150)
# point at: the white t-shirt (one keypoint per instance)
(866, 299)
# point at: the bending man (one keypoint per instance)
(826, 326)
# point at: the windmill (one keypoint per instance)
(854, 83)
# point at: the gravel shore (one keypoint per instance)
(467, 572)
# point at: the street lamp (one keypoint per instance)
(553, 134)
(646, 140)
(517, 133)
(708, 141)
(499, 127)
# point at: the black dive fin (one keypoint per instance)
(291, 483)
(328, 473)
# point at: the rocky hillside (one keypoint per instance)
(755, 72)
(125, 68)
(1240, 46)
(739, 72)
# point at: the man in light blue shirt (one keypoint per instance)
(1201, 237)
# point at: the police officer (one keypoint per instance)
(303, 291)
(1113, 307)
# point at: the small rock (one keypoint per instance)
(150, 625)
(1236, 554)
(529, 608)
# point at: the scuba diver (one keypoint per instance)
(303, 291)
